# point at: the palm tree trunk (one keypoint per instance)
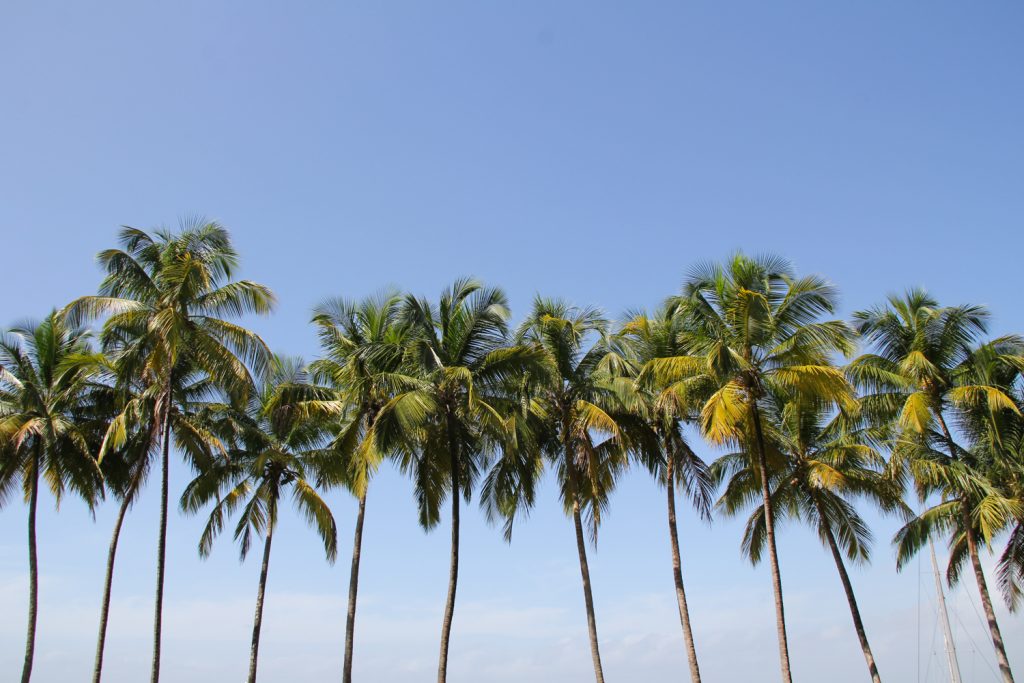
(858, 625)
(453, 574)
(33, 571)
(257, 623)
(773, 555)
(107, 584)
(677, 572)
(986, 601)
(353, 589)
(161, 552)
(588, 596)
(979, 575)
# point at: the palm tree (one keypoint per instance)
(665, 407)
(46, 381)
(923, 370)
(581, 429)
(123, 474)
(446, 424)
(1004, 467)
(130, 444)
(163, 295)
(363, 345)
(996, 439)
(755, 328)
(821, 464)
(276, 446)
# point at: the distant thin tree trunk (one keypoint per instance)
(588, 596)
(33, 571)
(353, 589)
(257, 623)
(677, 572)
(773, 555)
(453, 573)
(107, 585)
(979, 575)
(858, 625)
(161, 552)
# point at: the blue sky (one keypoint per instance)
(589, 150)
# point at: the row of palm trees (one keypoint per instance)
(459, 400)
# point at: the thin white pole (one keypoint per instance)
(947, 633)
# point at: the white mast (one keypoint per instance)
(947, 634)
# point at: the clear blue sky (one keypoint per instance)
(592, 150)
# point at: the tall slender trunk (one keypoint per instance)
(107, 585)
(986, 601)
(453, 572)
(773, 555)
(588, 596)
(858, 625)
(353, 590)
(161, 551)
(257, 622)
(677, 571)
(33, 570)
(979, 574)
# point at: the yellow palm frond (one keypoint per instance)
(724, 414)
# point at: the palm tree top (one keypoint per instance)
(48, 387)
(926, 339)
(469, 321)
(275, 443)
(166, 295)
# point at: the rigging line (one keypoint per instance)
(974, 643)
(934, 653)
(919, 617)
(981, 622)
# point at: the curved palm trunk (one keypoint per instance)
(677, 572)
(588, 596)
(161, 553)
(986, 602)
(858, 625)
(453, 575)
(773, 555)
(33, 573)
(107, 584)
(257, 623)
(353, 589)
(979, 575)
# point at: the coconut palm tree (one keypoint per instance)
(363, 345)
(445, 425)
(923, 371)
(754, 328)
(47, 372)
(123, 474)
(996, 439)
(163, 296)
(581, 430)
(276, 447)
(132, 440)
(822, 464)
(1003, 460)
(665, 407)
